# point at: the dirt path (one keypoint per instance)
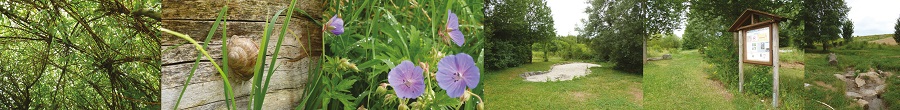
(563, 72)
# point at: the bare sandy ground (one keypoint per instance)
(563, 72)
(888, 41)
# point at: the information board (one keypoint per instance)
(758, 46)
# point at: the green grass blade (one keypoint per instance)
(199, 56)
(262, 95)
(203, 51)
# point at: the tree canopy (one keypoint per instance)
(79, 54)
(512, 26)
(822, 21)
(618, 29)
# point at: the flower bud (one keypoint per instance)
(465, 96)
(402, 107)
(353, 67)
(481, 106)
(388, 97)
(362, 108)
(415, 105)
(381, 89)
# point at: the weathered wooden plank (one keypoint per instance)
(198, 30)
(188, 53)
(244, 10)
(285, 88)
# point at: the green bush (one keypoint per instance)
(505, 54)
(758, 80)
(666, 42)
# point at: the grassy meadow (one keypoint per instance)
(686, 81)
(860, 55)
(604, 88)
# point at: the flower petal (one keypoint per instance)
(457, 37)
(337, 24)
(452, 21)
(453, 29)
(467, 67)
(405, 73)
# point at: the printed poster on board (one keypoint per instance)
(758, 45)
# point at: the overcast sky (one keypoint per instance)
(869, 16)
(567, 15)
(873, 16)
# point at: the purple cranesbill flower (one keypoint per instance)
(407, 80)
(453, 29)
(455, 72)
(335, 25)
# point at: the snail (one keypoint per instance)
(242, 55)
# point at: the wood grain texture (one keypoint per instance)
(246, 19)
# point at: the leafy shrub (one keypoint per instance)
(758, 80)
(505, 54)
(379, 36)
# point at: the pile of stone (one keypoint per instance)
(865, 88)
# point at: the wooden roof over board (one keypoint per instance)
(748, 14)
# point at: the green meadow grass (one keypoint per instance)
(604, 88)
(684, 82)
(872, 37)
(859, 55)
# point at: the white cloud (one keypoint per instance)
(567, 15)
(873, 16)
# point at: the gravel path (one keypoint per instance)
(563, 72)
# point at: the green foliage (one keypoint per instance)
(822, 20)
(758, 80)
(619, 28)
(566, 47)
(847, 30)
(512, 27)
(897, 31)
(666, 42)
(79, 54)
(505, 54)
(378, 35)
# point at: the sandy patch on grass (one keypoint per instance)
(887, 41)
(563, 72)
(638, 94)
(580, 96)
(721, 89)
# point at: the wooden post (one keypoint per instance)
(775, 64)
(740, 61)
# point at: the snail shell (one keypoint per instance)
(242, 55)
